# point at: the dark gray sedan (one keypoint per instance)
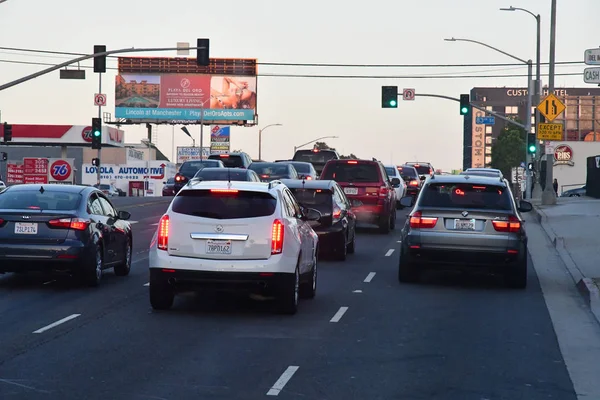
(465, 222)
(63, 228)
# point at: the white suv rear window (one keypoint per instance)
(221, 204)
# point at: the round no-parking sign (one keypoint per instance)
(60, 170)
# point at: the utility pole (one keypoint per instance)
(99, 116)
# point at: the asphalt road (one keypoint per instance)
(364, 336)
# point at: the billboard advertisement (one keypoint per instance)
(191, 153)
(182, 97)
(219, 139)
(41, 170)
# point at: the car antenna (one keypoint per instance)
(42, 190)
(229, 178)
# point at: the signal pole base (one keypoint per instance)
(548, 196)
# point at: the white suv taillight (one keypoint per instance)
(163, 233)
(277, 233)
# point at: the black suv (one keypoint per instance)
(189, 168)
(318, 158)
(233, 160)
(424, 169)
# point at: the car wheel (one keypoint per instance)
(352, 245)
(92, 274)
(162, 294)
(393, 221)
(342, 250)
(308, 290)
(399, 206)
(289, 294)
(384, 224)
(124, 268)
(516, 277)
(407, 272)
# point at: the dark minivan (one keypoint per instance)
(233, 160)
(189, 168)
(318, 158)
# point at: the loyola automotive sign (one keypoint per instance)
(129, 173)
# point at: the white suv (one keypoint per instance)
(235, 235)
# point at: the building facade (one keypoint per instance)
(581, 119)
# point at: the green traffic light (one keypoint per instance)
(532, 149)
(96, 133)
(393, 103)
(464, 110)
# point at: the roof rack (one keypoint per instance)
(274, 183)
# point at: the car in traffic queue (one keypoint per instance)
(424, 169)
(268, 171)
(169, 187)
(226, 174)
(188, 169)
(411, 178)
(371, 193)
(400, 186)
(317, 157)
(63, 228)
(233, 160)
(337, 226)
(465, 222)
(108, 189)
(483, 171)
(239, 236)
(305, 169)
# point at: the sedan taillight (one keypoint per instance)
(77, 224)
(418, 221)
(414, 183)
(163, 233)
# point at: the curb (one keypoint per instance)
(586, 287)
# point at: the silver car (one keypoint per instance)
(465, 222)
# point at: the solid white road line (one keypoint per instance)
(369, 277)
(389, 252)
(147, 284)
(338, 315)
(60, 321)
(357, 291)
(133, 222)
(282, 381)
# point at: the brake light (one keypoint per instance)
(77, 224)
(224, 190)
(180, 178)
(277, 237)
(224, 155)
(512, 225)
(479, 187)
(414, 183)
(264, 176)
(383, 191)
(352, 162)
(163, 233)
(337, 213)
(308, 178)
(315, 150)
(418, 221)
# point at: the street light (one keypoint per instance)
(260, 131)
(529, 98)
(315, 140)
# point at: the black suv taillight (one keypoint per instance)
(180, 178)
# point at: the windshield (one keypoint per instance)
(269, 169)
(222, 174)
(219, 205)
(422, 169)
(301, 167)
(310, 156)
(48, 200)
(462, 196)
(391, 171)
(229, 160)
(359, 172)
(319, 199)
(104, 187)
(408, 173)
(170, 181)
(189, 168)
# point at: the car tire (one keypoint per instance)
(162, 294)
(352, 244)
(399, 206)
(124, 268)
(308, 289)
(516, 276)
(384, 224)
(407, 272)
(92, 272)
(393, 221)
(289, 293)
(341, 250)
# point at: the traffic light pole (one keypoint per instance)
(99, 116)
(528, 156)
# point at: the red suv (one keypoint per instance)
(367, 186)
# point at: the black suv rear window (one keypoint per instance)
(221, 174)
(189, 168)
(230, 161)
(269, 168)
(422, 169)
(319, 199)
(224, 205)
(34, 200)
(319, 157)
(409, 173)
(464, 196)
(352, 172)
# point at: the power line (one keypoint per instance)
(280, 64)
(336, 76)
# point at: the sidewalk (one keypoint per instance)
(573, 226)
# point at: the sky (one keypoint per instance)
(333, 31)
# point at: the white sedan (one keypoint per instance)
(392, 172)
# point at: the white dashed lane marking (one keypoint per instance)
(389, 252)
(369, 277)
(59, 322)
(338, 315)
(282, 381)
(147, 284)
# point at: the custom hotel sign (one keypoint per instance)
(478, 140)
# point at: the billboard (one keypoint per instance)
(41, 170)
(191, 153)
(478, 143)
(64, 135)
(220, 139)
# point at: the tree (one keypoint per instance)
(509, 149)
(323, 146)
(351, 156)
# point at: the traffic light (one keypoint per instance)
(96, 162)
(4, 156)
(202, 55)
(531, 146)
(530, 166)
(100, 61)
(96, 133)
(389, 97)
(465, 104)
(7, 132)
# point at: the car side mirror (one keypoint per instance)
(422, 177)
(124, 215)
(312, 215)
(525, 206)
(407, 201)
(395, 182)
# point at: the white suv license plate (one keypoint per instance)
(350, 190)
(26, 228)
(218, 247)
(464, 224)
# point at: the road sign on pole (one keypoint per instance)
(100, 99)
(408, 94)
(592, 56)
(485, 120)
(551, 107)
(592, 75)
(549, 131)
